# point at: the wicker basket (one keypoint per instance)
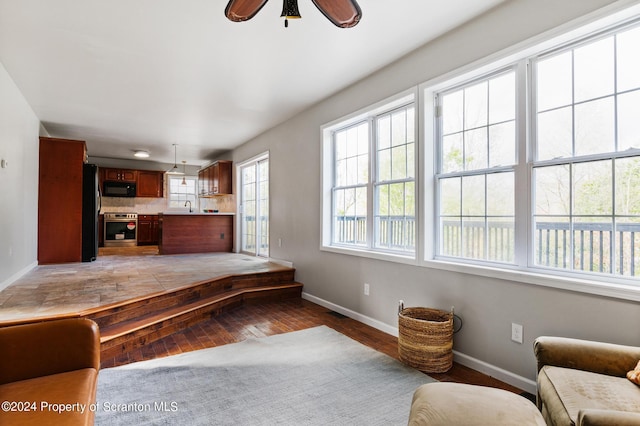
(425, 339)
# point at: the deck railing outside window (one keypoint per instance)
(592, 242)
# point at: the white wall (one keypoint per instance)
(488, 306)
(19, 131)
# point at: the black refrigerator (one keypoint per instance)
(90, 211)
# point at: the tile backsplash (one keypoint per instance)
(144, 205)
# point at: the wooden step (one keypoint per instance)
(138, 307)
(134, 333)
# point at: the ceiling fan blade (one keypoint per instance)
(243, 10)
(343, 13)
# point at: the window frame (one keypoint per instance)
(170, 199)
(368, 115)
(524, 271)
(426, 197)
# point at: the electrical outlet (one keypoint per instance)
(516, 332)
(366, 289)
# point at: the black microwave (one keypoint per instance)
(118, 189)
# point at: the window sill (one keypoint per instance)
(614, 289)
(378, 255)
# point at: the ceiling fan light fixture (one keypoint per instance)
(290, 11)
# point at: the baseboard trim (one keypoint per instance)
(463, 359)
(15, 277)
(495, 372)
(352, 314)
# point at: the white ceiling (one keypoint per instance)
(145, 74)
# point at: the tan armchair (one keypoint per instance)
(49, 372)
(584, 383)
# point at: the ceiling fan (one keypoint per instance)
(342, 13)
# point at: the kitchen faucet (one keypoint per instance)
(185, 204)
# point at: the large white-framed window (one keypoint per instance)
(476, 174)
(527, 165)
(536, 162)
(369, 180)
(586, 159)
(254, 202)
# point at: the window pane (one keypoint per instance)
(475, 106)
(552, 242)
(555, 134)
(627, 243)
(473, 238)
(627, 183)
(452, 154)
(595, 127)
(341, 145)
(473, 195)
(592, 188)
(628, 59)
(475, 149)
(411, 160)
(629, 120)
(501, 239)
(450, 193)
(500, 194)
(502, 98)
(399, 128)
(554, 82)
(396, 199)
(384, 165)
(592, 244)
(452, 112)
(502, 144)
(451, 236)
(384, 132)
(383, 200)
(399, 164)
(411, 125)
(594, 70)
(552, 190)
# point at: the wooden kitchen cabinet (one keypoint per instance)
(123, 175)
(60, 184)
(195, 233)
(149, 184)
(216, 179)
(147, 229)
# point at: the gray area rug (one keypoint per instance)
(310, 377)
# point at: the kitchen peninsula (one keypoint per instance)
(195, 232)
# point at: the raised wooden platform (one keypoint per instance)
(131, 324)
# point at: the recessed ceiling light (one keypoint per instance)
(141, 154)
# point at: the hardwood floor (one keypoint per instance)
(281, 317)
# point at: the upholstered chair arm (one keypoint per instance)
(50, 347)
(597, 357)
(594, 417)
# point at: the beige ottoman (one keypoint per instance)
(459, 404)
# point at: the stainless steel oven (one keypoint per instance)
(120, 229)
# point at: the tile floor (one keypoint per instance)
(117, 274)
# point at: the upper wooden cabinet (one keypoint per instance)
(149, 184)
(123, 175)
(216, 179)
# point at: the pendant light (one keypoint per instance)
(184, 180)
(175, 170)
